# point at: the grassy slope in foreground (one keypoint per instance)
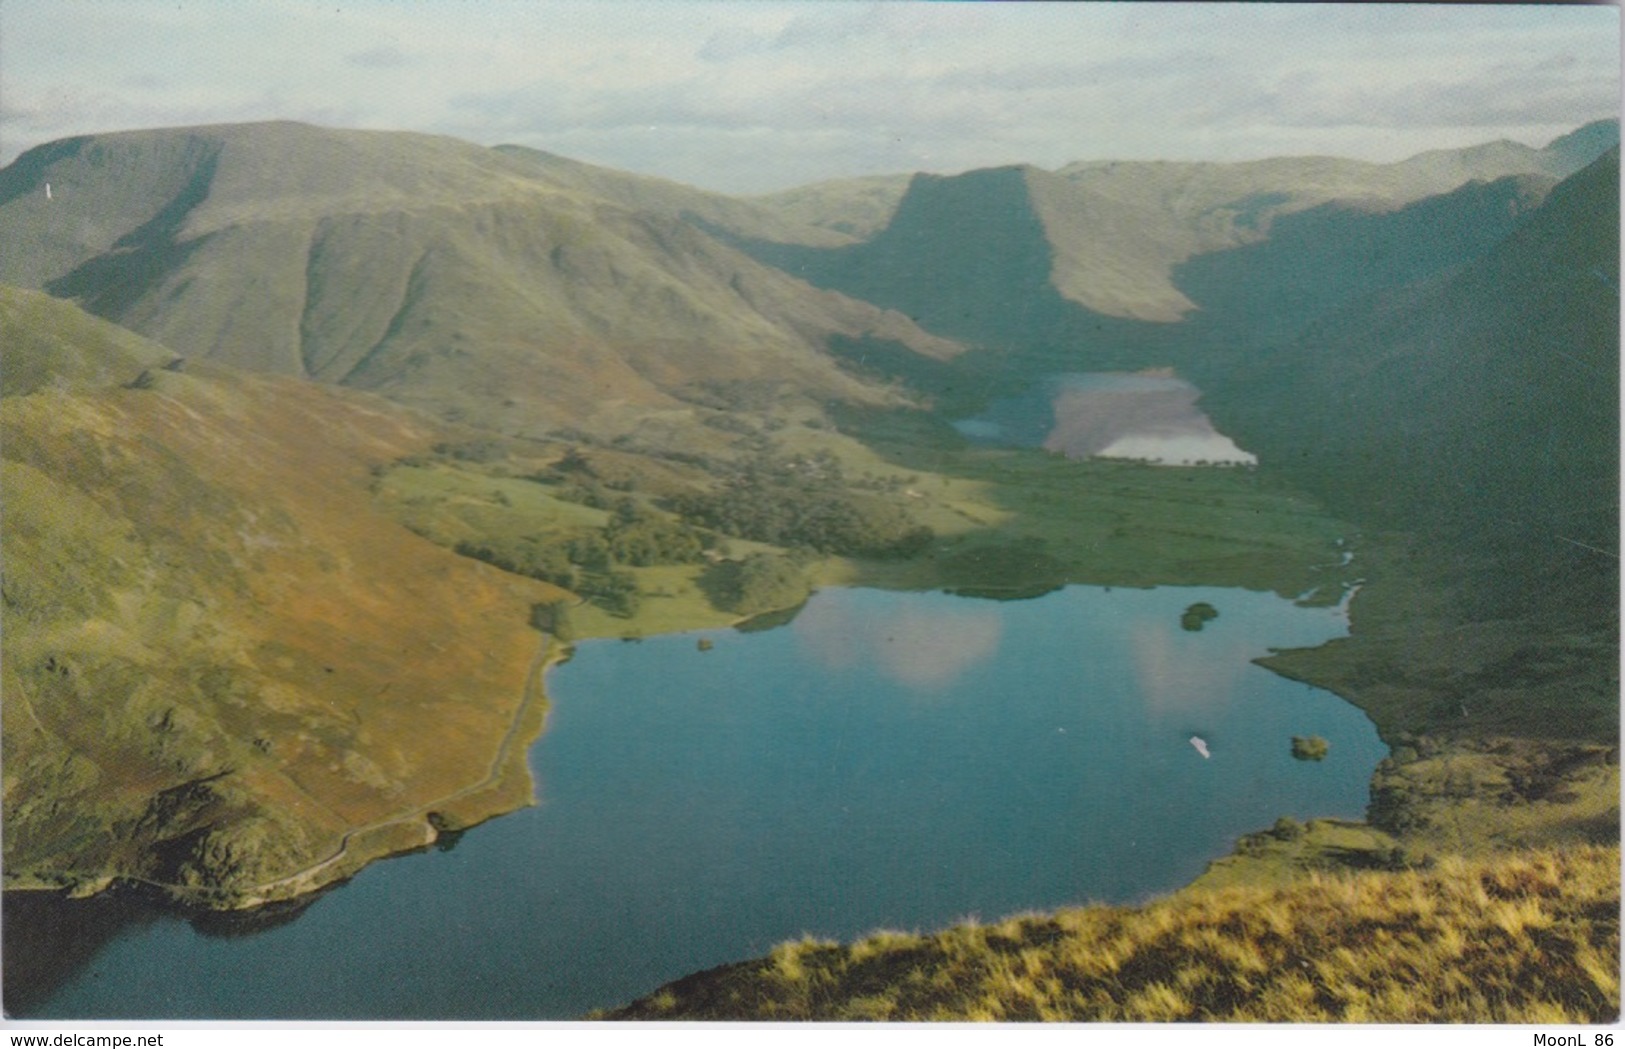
(223, 670)
(1532, 938)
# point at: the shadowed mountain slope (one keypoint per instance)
(224, 671)
(1319, 258)
(962, 254)
(1192, 209)
(1091, 268)
(443, 274)
(1028, 257)
(1480, 405)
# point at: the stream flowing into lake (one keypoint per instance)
(886, 760)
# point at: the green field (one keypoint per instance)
(1004, 521)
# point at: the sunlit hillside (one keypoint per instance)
(1528, 938)
(475, 283)
(225, 672)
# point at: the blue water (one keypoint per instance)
(886, 760)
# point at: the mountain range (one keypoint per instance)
(221, 341)
(536, 292)
(462, 279)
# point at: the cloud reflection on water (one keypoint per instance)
(1146, 415)
(1176, 687)
(926, 649)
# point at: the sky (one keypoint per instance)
(752, 96)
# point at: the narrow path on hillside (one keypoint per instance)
(266, 891)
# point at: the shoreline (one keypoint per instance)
(494, 795)
(1255, 858)
(421, 827)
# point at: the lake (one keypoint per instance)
(1150, 416)
(886, 760)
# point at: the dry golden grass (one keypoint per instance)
(1526, 938)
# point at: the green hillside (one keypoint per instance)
(1479, 406)
(48, 346)
(1322, 258)
(221, 664)
(1476, 412)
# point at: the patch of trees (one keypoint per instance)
(550, 560)
(593, 563)
(639, 536)
(556, 618)
(1015, 570)
(615, 591)
(759, 583)
(478, 450)
(1287, 829)
(1197, 615)
(574, 480)
(1310, 748)
(803, 501)
(540, 559)
(583, 564)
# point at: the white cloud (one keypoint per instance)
(763, 95)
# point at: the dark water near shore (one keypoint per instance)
(886, 760)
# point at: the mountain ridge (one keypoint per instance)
(419, 258)
(1225, 206)
(226, 652)
(522, 287)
